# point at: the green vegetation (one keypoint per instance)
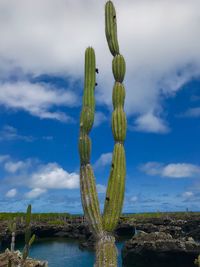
(103, 226)
(56, 222)
(35, 217)
(12, 228)
(28, 238)
(50, 218)
(153, 215)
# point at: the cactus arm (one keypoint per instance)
(116, 183)
(89, 195)
(111, 28)
(115, 189)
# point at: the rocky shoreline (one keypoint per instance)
(176, 238)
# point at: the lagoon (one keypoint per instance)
(62, 252)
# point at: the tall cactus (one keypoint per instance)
(103, 226)
(116, 184)
(87, 180)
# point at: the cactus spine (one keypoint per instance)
(103, 226)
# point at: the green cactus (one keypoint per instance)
(28, 238)
(87, 180)
(118, 95)
(103, 226)
(115, 189)
(106, 252)
(12, 228)
(116, 183)
(119, 68)
(111, 28)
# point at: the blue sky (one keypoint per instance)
(41, 86)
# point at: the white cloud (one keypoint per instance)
(150, 123)
(101, 188)
(14, 167)
(192, 112)
(37, 177)
(37, 99)
(172, 170)
(11, 193)
(134, 199)
(188, 194)
(179, 170)
(104, 159)
(99, 118)
(3, 158)
(159, 39)
(52, 176)
(34, 193)
(8, 133)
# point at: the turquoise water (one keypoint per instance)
(64, 252)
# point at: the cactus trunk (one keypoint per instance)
(106, 252)
(12, 246)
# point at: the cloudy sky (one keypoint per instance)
(42, 48)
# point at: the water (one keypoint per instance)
(64, 252)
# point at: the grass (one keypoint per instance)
(43, 217)
(60, 218)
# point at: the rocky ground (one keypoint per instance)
(172, 238)
(160, 249)
(163, 242)
(16, 260)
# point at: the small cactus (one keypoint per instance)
(28, 238)
(12, 228)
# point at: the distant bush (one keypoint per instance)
(56, 222)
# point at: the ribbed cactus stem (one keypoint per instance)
(89, 195)
(119, 68)
(106, 252)
(116, 183)
(111, 28)
(118, 95)
(90, 199)
(28, 238)
(115, 190)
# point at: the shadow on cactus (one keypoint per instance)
(102, 226)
